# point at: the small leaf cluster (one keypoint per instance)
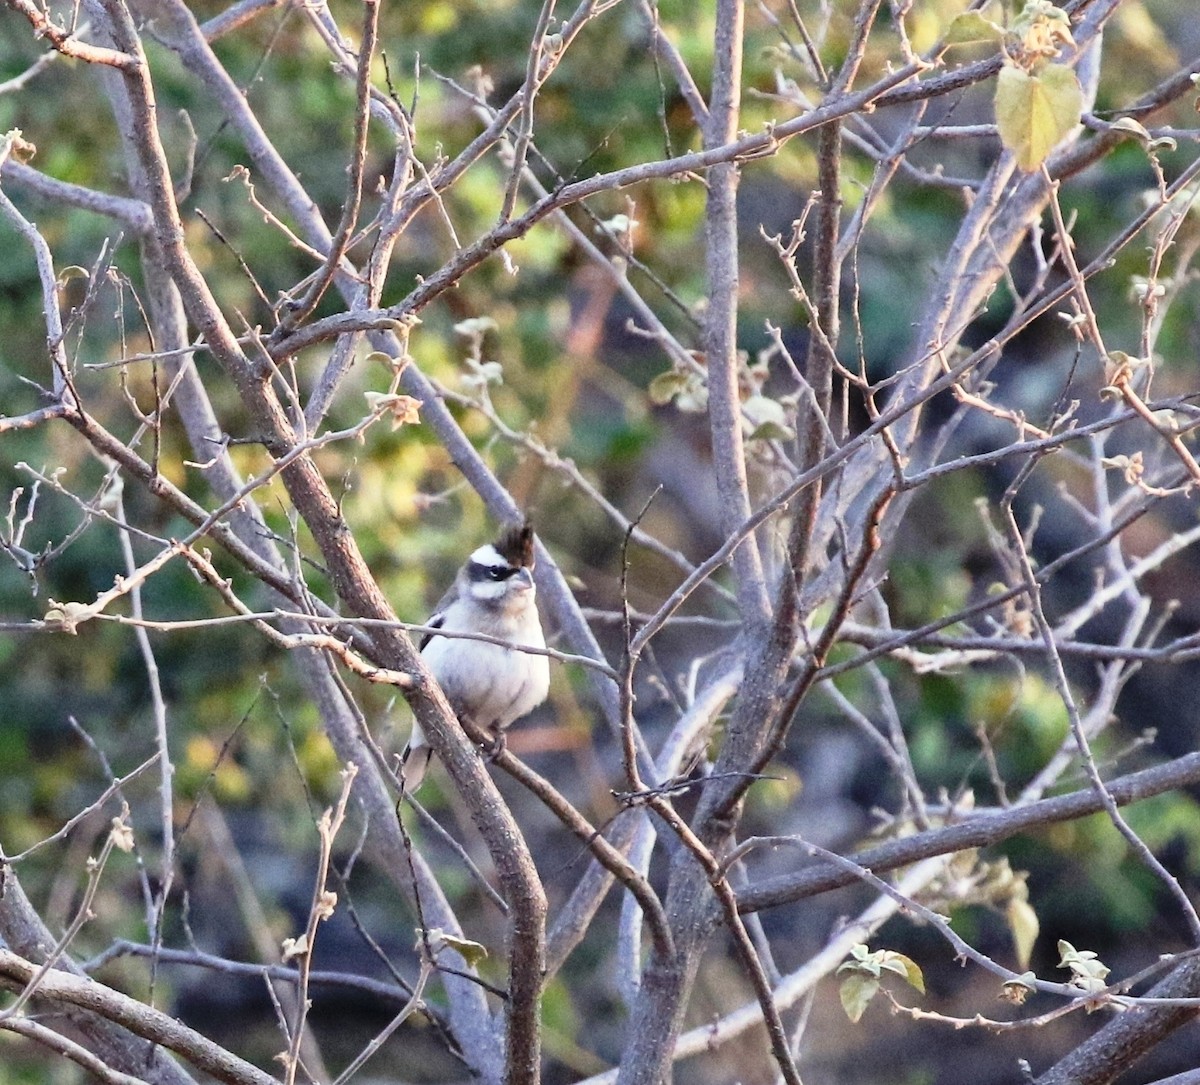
(1088, 972)
(865, 970)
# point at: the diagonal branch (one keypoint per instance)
(57, 987)
(975, 831)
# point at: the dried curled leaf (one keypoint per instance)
(405, 410)
(326, 903)
(1120, 367)
(1132, 467)
(14, 145)
(122, 834)
(396, 363)
(481, 374)
(66, 617)
(295, 947)
(475, 327)
(1015, 992)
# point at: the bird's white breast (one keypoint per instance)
(494, 685)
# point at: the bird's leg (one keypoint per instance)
(490, 740)
(497, 746)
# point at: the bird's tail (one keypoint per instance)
(415, 760)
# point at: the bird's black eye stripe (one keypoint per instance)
(480, 573)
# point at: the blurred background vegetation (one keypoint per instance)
(248, 744)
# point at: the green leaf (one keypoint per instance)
(870, 966)
(857, 991)
(971, 27)
(1035, 112)
(1088, 971)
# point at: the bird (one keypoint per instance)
(490, 684)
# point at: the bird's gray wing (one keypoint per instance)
(436, 622)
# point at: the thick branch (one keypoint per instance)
(977, 831)
(720, 328)
(354, 585)
(57, 986)
(1102, 1058)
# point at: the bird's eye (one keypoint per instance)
(497, 573)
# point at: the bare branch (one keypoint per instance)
(57, 988)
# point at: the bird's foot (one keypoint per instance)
(492, 750)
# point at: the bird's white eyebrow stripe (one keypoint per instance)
(488, 555)
(489, 589)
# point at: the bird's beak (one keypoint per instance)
(523, 579)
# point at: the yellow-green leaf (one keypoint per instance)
(971, 27)
(666, 386)
(471, 952)
(913, 974)
(1035, 112)
(1023, 922)
(72, 272)
(389, 360)
(905, 966)
(857, 991)
(1131, 127)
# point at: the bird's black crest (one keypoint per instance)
(515, 544)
